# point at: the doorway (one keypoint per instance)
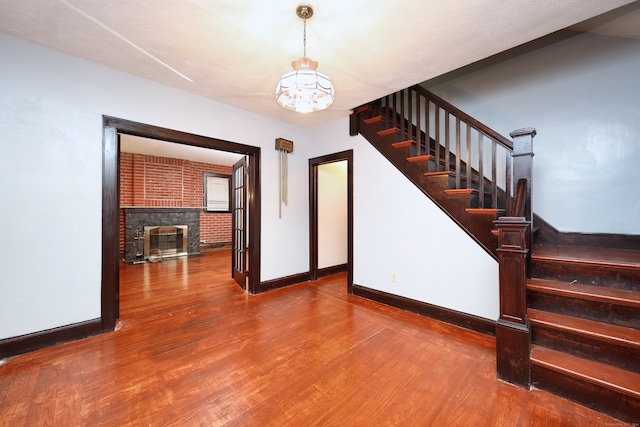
(112, 128)
(316, 209)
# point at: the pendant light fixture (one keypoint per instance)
(304, 89)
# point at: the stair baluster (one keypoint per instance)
(446, 149)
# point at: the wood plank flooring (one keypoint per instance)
(193, 349)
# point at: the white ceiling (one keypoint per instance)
(235, 51)
(136, 144)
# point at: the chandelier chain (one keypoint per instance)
(304, 39)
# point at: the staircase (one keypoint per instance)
(584, 309)
(460, 164)
(570, 312)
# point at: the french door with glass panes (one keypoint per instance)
(239, 223)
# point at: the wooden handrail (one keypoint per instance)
(505, 142)
(457, 142)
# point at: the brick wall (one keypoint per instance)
(152, 181)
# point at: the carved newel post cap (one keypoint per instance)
(523, 132)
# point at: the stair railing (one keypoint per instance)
(467, 149)
(477, 156)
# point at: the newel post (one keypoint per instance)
(513, 332)
(522, 155)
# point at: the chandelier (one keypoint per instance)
(304, 89)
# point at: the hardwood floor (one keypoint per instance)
(193, 349)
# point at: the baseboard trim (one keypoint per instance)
(37, 340)
(282, 282)
(546, 234)
(468, 321)
(328, 271)
(214, 246)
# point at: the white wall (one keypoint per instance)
(399, 230)
(332, 214)
(51, 108)
(581, 95)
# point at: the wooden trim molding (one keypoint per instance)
(110, 269)
(313, 213)
(464, 320)
(282, 282)
(328, 271)
(35, 341)
(546, 234)
(294, 279)
(112, 126)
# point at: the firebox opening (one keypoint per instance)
(169, 240)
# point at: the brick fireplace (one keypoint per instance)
(176, 231)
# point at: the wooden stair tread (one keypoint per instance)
(402, 144)
(620, 335)
(484, 211)
(588, 255)
(364, 108)
(590, 292)
(606, 376)
(416, 159)
(373, 119)
(462, 191)
(389, 131)
(441, 173)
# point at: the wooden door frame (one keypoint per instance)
(313, 212)
(110, 275)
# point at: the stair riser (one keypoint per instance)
(602, 399)
(587, 347)
(436, 184)
(403, 152)
(462, 201)
(587, 309)
(609, 276)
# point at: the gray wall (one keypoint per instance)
(582, 94)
